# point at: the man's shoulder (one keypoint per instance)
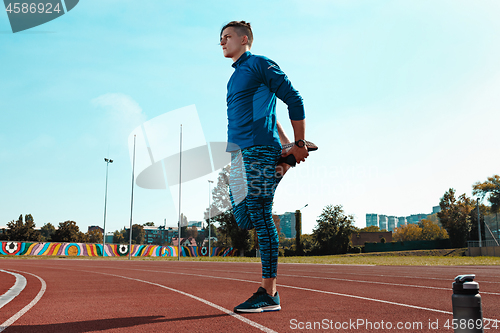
(261, 61)
(258, 57)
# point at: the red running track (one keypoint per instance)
(171, 296)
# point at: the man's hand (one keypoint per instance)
(299, 153)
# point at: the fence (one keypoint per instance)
(485, 248)
(408, 246)
(110, 250)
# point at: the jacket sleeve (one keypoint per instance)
(277, 81)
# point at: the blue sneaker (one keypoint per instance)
(261, 301)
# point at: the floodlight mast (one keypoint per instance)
(131, 206)
(210, 182)
(107, 160)
(180, 215)
(479, 224)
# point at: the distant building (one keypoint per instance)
(184, 241)
(155, 235)
(392, 222)
(382, 222)
(109, 237)
(416, 218)
(371, 220)
(212, 242)
(170, 233)
(287, 224)
(195, 224)
(158, 235)
(95, 227)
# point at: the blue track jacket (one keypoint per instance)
(251, 102)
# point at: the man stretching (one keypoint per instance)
(254, 140)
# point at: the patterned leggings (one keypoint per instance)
(252, 184)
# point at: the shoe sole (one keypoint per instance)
(262, 309)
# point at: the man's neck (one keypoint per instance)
(236, 57)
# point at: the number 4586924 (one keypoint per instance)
(32, 8)
(471, 324)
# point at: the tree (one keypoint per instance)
(221, 212)
(407, 233)
(68, 232)
(3, 234)
(455, 217)
(231, 234)
(213, 231)
(308, 243)
(221, 201)
(333, 230)
(483, 211)
(138, 234)
(149, 224)
(47, 231)
(119, 237)
(200, 238)
(490, 189)
(22, 231)
(94, 236)
(432, 231)
(191, 232)
(372, 228)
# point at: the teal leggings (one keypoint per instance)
(252, 184)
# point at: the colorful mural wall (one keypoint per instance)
(110, 250)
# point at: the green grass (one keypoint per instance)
(403, 258)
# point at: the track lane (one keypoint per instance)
(32, 288)
(86, 300)
(7, 281)
(227, 284)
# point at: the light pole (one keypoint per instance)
(479, 224)
(131, 206)
(107, 160)
(210, 182)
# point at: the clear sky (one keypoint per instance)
(402, 97)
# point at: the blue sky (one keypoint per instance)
(401, 97)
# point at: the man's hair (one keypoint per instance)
(242, 28)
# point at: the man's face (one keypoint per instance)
(232, 44)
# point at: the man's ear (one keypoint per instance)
(244, 41)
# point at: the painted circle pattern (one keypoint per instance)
(123, 249)
(11, 247)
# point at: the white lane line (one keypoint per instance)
(220, 308)
(305, 289)
(15, 290)
(401, 276)
(18, 315)
(347, 280)
(378, 282)
(292, 287)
